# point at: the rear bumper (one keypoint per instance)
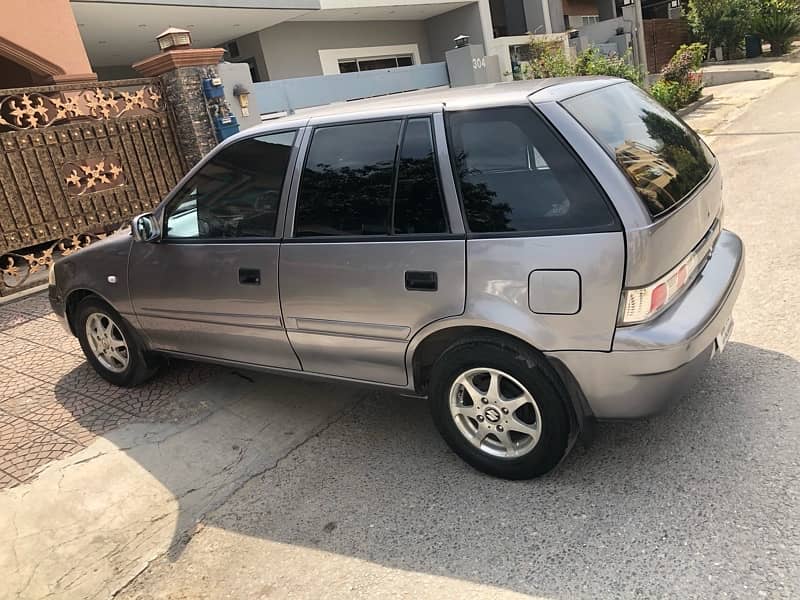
(652, 364)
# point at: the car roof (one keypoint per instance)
(458, 98)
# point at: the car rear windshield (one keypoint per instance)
(663, 158)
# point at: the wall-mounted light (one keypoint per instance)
(243, 96)
(461, 41)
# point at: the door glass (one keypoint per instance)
(515, 174)
(346, 187)
(236, 194)
(418, 205)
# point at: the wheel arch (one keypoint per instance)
(426, 347)
(74, 298)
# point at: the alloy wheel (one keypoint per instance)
(107, 342)
(495, 412)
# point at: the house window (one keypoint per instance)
(355, 65)
(576, 21)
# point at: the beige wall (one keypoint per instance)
(250, 47)
(42, 36)
(292, 49)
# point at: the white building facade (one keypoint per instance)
(282, 39)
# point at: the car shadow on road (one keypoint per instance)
(651, 507)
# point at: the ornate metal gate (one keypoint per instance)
(78, 161)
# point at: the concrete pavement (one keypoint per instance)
(90, 523)
(731, 100)
(275, 488)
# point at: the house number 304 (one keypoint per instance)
(479, 63)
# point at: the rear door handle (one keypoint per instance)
(422, 281)
(250, 276)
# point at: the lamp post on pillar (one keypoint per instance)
(182, 70)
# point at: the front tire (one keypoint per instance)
(110, 345)
(498, 407)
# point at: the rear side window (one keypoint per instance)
(418, 205)
(663, 158)
(371, 179)
(515, 174)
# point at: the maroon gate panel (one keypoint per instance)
(80, 160)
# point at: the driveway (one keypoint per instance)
(51, 402)
(263, 487)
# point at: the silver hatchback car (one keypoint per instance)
(529, 256)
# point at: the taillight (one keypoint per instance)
(658, 297)
(641, 304)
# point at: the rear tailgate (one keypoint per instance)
(674, 174)
(655, 249)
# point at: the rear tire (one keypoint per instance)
(498, 407)
(110, 345)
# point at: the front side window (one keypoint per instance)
(663, 158)
(370, 179)
(516, 175)
(236, 194)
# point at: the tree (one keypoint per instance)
(777, 22)
(722, 23)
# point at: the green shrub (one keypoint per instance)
(697, 51)
(550, 60)
(680, 83)
(666, 92)
(675, 95)
(593, 62)
(547, 60)
(777, 23)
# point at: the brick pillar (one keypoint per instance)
(181, 72)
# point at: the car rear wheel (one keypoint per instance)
(109, 344)
(497, 406)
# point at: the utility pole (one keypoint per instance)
(632, 13)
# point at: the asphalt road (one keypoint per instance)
(701, 502)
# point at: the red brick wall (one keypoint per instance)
(662, 37)
(580, 8)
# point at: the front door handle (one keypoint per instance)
(250, 276)
(422, 281)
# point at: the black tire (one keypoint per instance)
(529, 369)
(138, 369)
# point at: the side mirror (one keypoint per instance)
(145, 228)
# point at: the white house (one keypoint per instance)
(282, 39)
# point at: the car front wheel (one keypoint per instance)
(498, 407)
(110, 346)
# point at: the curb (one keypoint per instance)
(682, 112)
(22, 294)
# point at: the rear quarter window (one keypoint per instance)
(662, 157)
(515, 174)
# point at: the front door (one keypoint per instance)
(371, 257)
(209, 288)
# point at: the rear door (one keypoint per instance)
(210, 287)
(372, 253)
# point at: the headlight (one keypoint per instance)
(51, 275)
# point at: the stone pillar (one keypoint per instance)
(182, 72)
